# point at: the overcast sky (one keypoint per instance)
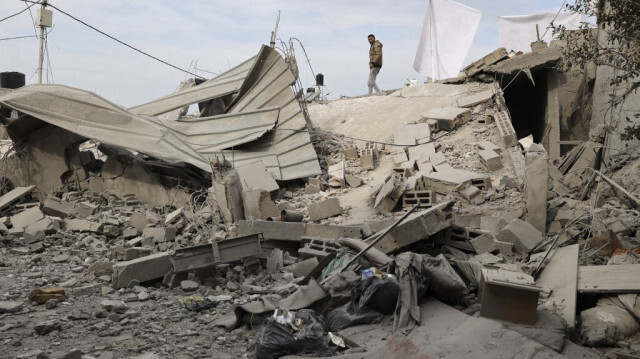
(218, 34)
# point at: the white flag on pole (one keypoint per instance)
(447, 33)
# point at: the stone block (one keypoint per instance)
(141, 269)
(523, 235)
(26, 217)
(483, 243)
(53, 206)
(325, 209)
(490, 159)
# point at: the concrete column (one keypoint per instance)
(536, 174)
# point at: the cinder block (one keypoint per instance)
(412, 198)
(318, 247)
(490, 159)
(433, 125)
(523, 235)
(55, 207)
(402, 172)
(350, 151)
(367, 159)
(483, 243)
(374, 149)
(141, 269)
(470, 192)
(505, 128)
(325, 209)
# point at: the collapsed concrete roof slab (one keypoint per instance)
(531, 60)
(265, 118)
(89, 115)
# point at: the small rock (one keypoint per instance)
(117, 306)
(10, 306)
(46, 327)
(143, 296)
(189, 285)
(51, 303)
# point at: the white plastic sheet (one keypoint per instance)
(518, 32)
(448, 31)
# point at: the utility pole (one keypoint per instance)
(45, 19)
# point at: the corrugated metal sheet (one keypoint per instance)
(264, 118)
(227, 83)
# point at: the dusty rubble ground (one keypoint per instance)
(71, 242)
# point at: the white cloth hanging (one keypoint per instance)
(447, 33)
(518, 32)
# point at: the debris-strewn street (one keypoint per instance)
(465, 218)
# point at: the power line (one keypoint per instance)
(17, 37)
(115, 39)
(16, 14)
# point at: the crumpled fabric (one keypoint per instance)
(419, 274)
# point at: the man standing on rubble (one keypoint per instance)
(375, 62)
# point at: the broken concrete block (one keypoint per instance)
(82, 225)
(523, 235)
(258, 205)
(175, 218)
(55, 207)
(33, 237)
(85, 209)
(332, 231)
(367, 159)
(476, 98)
(483, 243)
(505, 248)
(490, 59)
(141, 269)
(46, 225)
(433, 125)
(255, 176)
(448, 117)
(421, 151)
(389, 194)
(311, 189)
(400, 156)
(446, 181)
(275, 261)
(490, 159)
(336, 175)
(350, 151)
(536, 174)
(509, 296)
(160, 234)
(26, 217)
(301, 269)
(437, 159)
(505, 128)
(138, 220)
(470, 193)
(227, 192)
(492, 224)
(353, 181)
(486, 145)
(282, 231)
(14, 196)
(318, 248)
(325, 209)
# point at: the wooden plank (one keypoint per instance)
(622, 278)
(561, 275)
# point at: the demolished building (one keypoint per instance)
(476, 247)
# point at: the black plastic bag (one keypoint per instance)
(341, 318)
(378, 294)
(274, 340)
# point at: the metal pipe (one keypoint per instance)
(291, 216)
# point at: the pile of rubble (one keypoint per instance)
(437, 233)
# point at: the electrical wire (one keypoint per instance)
(17, 37)
(117, 40)
(554, 18)
(16, 14)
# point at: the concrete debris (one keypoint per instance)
(223, 219)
